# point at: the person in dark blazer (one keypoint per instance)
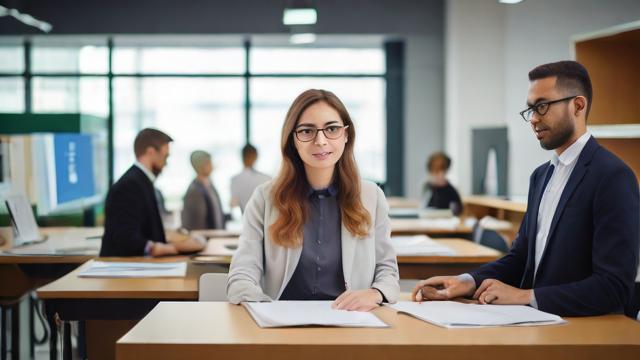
(133, 226)
(437, 191)
(202, 208)
(576, 253)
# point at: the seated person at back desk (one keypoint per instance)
(133, 226)
(437, 191)
(202, 208)
(576, 253)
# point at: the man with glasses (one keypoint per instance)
(576, 253)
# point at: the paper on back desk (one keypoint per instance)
(419, 245)
(451, 314)
(307, 313)
(106, 269)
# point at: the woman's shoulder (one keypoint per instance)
(263, 191)
(265, 187)
(369, 187)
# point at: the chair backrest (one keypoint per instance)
(492, 239)
(212, 287)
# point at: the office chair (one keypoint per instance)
(489, 238)
(212, 287)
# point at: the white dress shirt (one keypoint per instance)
(564, 165)
(243, 185)
(146, 171)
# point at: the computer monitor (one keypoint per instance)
(64, 172)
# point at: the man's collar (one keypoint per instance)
(146, 171)
(571, 153)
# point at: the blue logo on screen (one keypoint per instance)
(74, 167)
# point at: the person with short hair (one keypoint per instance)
(202, 208)
(576, 253)
(243, 184)
(133, 226)
(437, 191)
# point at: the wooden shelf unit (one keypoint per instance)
(612, 57)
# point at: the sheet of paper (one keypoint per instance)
(419, 245)
(105, 269)
(451, 223)
(308, 313)
(24, 222)
(451, 314)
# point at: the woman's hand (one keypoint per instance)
(358, 300)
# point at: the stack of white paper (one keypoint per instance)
(304, 313)
(104, 269)
(419, 245)
(452, 314)
(451, 223)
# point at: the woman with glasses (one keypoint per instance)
(317, 231)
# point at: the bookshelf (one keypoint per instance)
(612, 57)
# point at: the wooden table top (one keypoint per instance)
(219, 251)
(67, 245)
(71, 286)
(208, 328)
(425, 226)
(494, 202)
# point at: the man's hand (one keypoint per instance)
(493, 291)
(358, 300)
(190, 245)
(185, 243)
(161, 249)
(174, 237)
(442, 288)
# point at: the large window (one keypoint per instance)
(205, 114)
(207, 94)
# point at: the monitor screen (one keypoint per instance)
(64, 171)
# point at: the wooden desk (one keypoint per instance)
(64, 245)
(73, 287)
(511, 211)
(469, 256)
(398, 227)
(402, 202)
(426, 227)
(128, 300)
(220, 330)
(34, 265)
(111, 306)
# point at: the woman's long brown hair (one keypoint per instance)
(290, 189)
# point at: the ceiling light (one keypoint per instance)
(509, 1)
(299, 16)
(303, 38)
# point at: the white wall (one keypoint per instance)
(424, 115)
(533, 32)
(474, 78)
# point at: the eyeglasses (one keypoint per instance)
(306, 134)
(541, 108)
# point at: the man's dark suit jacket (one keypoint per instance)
(591, 257)
(131, 216)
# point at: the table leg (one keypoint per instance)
(15, 331)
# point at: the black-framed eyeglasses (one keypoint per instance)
(541, 108)
(306, 134)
